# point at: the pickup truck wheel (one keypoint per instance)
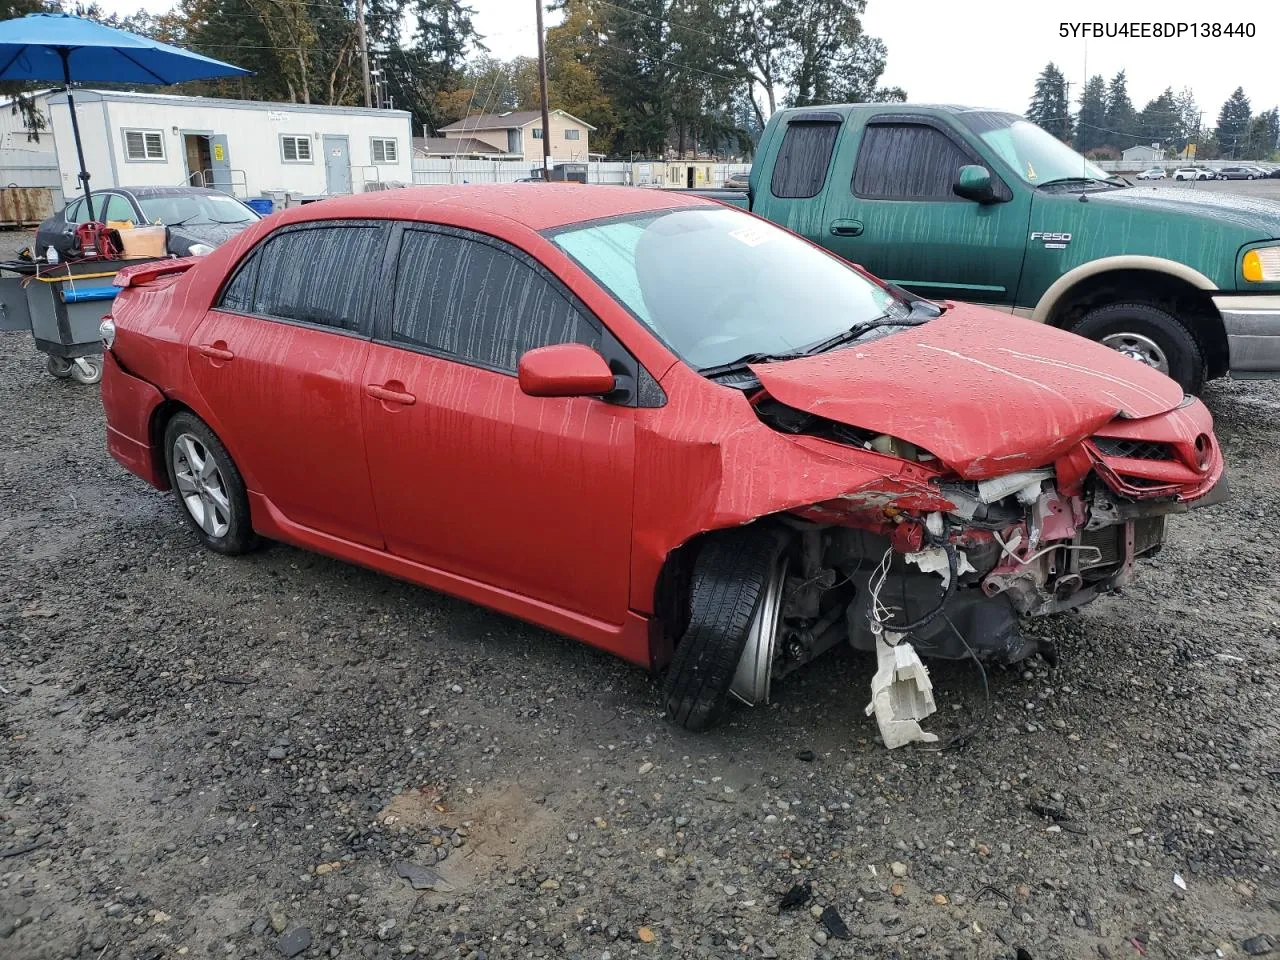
(736, 591)
(1149, 335)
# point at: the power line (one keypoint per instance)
(669, 23)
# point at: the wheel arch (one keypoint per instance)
(160, 417)
(673, 587)
(1181, 290)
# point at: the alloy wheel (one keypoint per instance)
(201, 485)
(751, 681)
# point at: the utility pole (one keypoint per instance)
(364, 53)
(1066, 105)
(542, 93)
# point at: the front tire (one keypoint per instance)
(210, 491)
(1149, 335)
(735, 584)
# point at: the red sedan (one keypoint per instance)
(652, 422)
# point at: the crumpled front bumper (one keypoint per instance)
(1252, 323)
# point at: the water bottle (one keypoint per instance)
(51, 255)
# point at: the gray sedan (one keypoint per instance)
(198, 219)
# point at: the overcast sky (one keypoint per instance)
(988, 52)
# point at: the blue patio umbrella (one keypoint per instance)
(65, 49)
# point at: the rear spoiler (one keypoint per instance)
(144, 273)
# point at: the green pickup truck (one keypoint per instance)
(979, 205)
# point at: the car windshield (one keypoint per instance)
(717, 285)
(1035, 155)
(195, 209)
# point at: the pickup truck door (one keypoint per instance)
(791, 188)
(890, 208)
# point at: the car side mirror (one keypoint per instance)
(565, 370)
(973, 182)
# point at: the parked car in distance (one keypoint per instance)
(1188, 282)
(198, 219)
(1153, 173)
(1238, 173)
(1194, 173)
(527, 399)
(738, 181)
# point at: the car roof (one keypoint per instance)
(537, 206)
(170, 191)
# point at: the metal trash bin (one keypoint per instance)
(62, 305)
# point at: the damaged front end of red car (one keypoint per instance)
(949, 556)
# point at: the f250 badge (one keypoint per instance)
(1052, 241)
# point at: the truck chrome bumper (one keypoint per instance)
(1253, 333)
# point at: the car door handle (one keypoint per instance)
(215, 351)
(388, 394)
(846, 228)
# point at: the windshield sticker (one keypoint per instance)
(1031, 172)
(751, 236)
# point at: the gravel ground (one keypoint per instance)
(203, 756)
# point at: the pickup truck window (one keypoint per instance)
(1034, 155)
(907, 161)
(716, 284)
(800, 171)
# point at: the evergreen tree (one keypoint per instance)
(1264, 131)
(1121, 118)
(1093, 115)
(1188, 113)
(1233, 123)
(1159, 121)
(1048, 107)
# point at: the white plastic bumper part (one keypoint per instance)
(901, 694)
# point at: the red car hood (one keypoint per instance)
(986, 393)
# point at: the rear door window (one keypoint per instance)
(474, 300)
(907, 161)
(800, 169)
(325, 275)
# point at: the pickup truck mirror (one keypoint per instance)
(973, 182)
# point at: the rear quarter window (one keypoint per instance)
(800, 170)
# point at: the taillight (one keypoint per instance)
(107, 330)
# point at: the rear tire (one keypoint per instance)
(1160, 338)
(729, 579)
(209, 489)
